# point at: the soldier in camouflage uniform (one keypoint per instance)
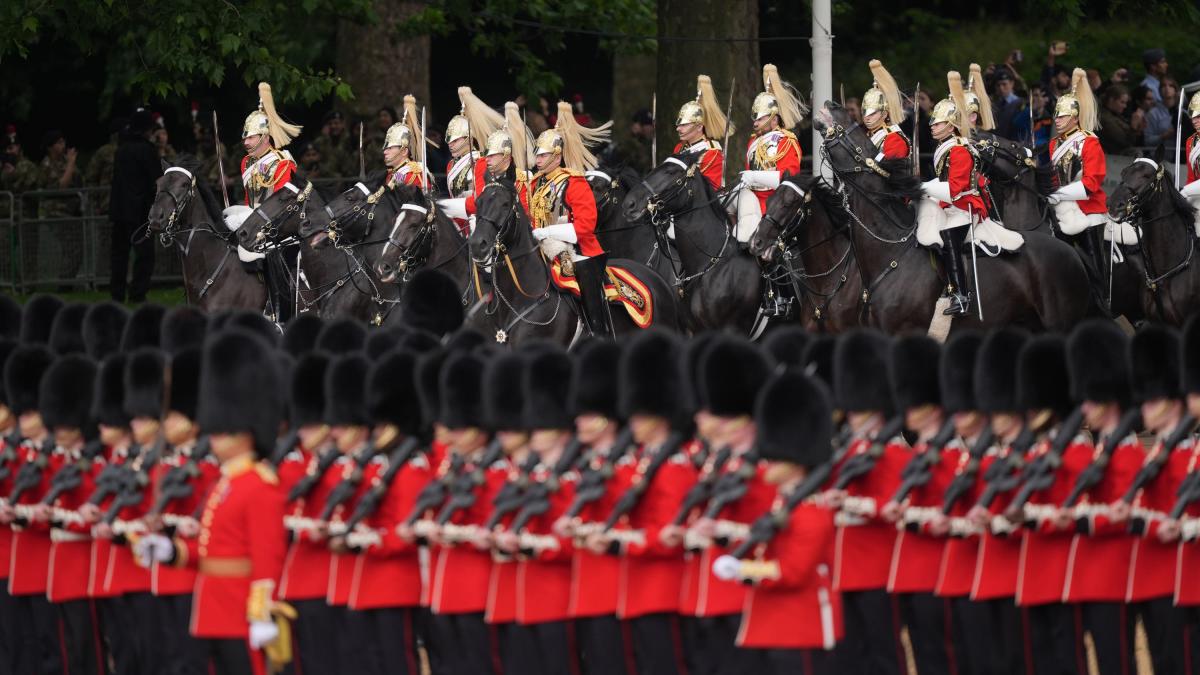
(339, 153)
(58, 172)
(207, 157)
(385, 117)
(100, 167)
(63, 246)
(17, 173)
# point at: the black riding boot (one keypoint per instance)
(590, 275)
(1091, 241)
(956, 278)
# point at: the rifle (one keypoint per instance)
(306, 484)
(769, 524)
(633, 495)
(435, 492)
(345, 489)
(965, 479)
(1002, 475)
(1189, 491)
(284, 446)
(920, 468)
(176, 484)
(594, 479)
(1156, 462)
(862, 463)
(703, 489)
(1093, 473)
(375, 494)
(537, 497)
(462, 488)
(29, 475)
(732, 486)
(1038, 474)
(512, 495)
(135, 478)
(9, 453)
(70, 476)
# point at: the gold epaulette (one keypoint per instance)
(266, 472)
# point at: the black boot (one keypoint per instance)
(956, 278)
(590, 275)
(1091, 243)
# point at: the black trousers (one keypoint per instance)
(993, 637)
(80, 639)
(390, 646)
(182, 653)
(423, 627)
(710, 646)
(143, 261)
(517, 647)
(795, 661)
(37, 642)
(657, 644)
(465, 643)
(1166, 633)
(140, 615)
(928, 620)
(234, 657)
(1111, 626)
(315, 623)
(554, 648)
(1050, 640)
(872, 642)
(602, 646)
(10, 626)
(1191, 642)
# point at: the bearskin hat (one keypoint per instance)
(7, 346)
(241, 390)
(185, 382)
(432, 301)
(182, 328)
(860, 370)
(1042, 378)
(346, 391)
(144, 327)
(693, 349)
(794, 416)
(306, 402)
(342, 336)
(66, 393)
(252, 322)
(1098, 361)
(10, 318)
(429, 385)
(460, 383)
(650, 377)
(66, 333)
(103, 325)
(419, 341)
(38, 318)
(786, 345)
(392, 394)
(956, 372)
(502, 404)
(995, 378)
(464, 340)
(1189, 356)
(818, 360)
(380, 342)
(108, 402)
(23, 375)
(300, 334)
(145, 383)
(1154, 361)
(545, 387)
(732, 370)
(594, 379)
(913, 369)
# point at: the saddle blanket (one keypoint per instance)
(622, 288)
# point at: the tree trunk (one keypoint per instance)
(679, 62)
(633, 89)
(379, 65)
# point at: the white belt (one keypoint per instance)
(64, 536)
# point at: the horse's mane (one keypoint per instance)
(1044, 180)
(901, 182)
(207, 197)
(1180, 203)
(829, 198)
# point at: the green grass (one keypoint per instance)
(162, 296)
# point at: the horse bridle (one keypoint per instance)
(181, 203)
(268, 232)
(1133, 215)
(364, 209)
(502, 227)
(655, 202)
(837, 135)
(415, 256)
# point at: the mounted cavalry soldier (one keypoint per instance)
(563, 209)
(773, 149)
(979, 106)
(467, 170)
(1192, 189)
(267, 167)
(507, 156)
(402, 152)
(700, 123)
(883, 113)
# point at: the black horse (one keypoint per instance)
(185, 215)
(528, 305)
(1043, 286)
(720, 283)
(1018, 186)
(1148, 200)
(621, 238)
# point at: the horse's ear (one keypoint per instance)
(1159, 153)
(164, 164)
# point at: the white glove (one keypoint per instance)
(938, 189)
(262, 633)
(361, 539)
(1192, 189)
(726, 567)
(455, 208)
(154, 548)
(761, 180)
(471, 224)
(1073, 192)
(562, 232)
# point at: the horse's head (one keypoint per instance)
(609, 186)
(847, 147)
(1139, 183)
(785, 210)
(277, 218)
(667, 188)
(348, 216)
(496, 221)
(176, 188)
(411, 233)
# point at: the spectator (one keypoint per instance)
(634, 150)
(1117, 135)
(136, 167)
(1043, 122)
(17, 173)
(385, 117)
(581, 115)
(1056, 77)
(100, 166)
(1009, 110)
(1155, 61)
(206, 154)
(854, 109)
(310, 161)
(535, 120)
(339, 153)
(162, 139)
(58, 172)
(1162, 121)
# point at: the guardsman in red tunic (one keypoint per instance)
(1098, 570)
(267, 167)
(1155, 352)
(9, 442)
(466, 172)
(994, 579)
(883, 113)
(1192, 155)
(917, 558)
(701, 127)
(1080, 204)
(402, 150)
(863, 481)
(239, 552)
(793, 616)
(1187, 527)
(562, 210)
(772, 151)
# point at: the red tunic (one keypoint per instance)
(1094, 166)
(710, 162)
(242, 525)
(1187, 568)
(864, 542)
(785, 161)
(167, 579)
(6, 533)
(958, 171)
(595, 578)
(307, 563)
(502, 581)
(957, 570)
(579, 203)
(800, 609)
(894, 146)
(282, 174)
(1045, 550)
(917, 560)
(103, 552)
(999, 556)
(1153, 570)
(342, 566)
(1192, 175)
(544, 580)
(31, 543)
(71, 541)
(409, 173)
(461, 572)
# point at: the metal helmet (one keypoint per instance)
(549, 142)
(1194, 105)
(764, 104)
(1067, 104)
(398, 135)
(972, 102)
(690, 113)
(457, 128)
(874, 101)
(944, 111)
(499, 143)
(256, 124)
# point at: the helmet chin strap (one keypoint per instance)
(259, 149)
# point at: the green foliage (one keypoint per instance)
(161, 48)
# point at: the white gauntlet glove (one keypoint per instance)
(455, 208)
(938, 189)
(1073, 192)
(562, 232)
(262, 633)
(760, 180)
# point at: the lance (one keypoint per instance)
(220, 161)
(728, 128)
(654, 134)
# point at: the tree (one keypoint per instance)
(379, 62)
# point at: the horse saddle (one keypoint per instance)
(621, 288)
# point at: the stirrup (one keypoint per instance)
(959, 304)
(777, 306)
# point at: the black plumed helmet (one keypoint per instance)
(23, 374)
(650, 377)
(794, 418)
(145, 382)
(786, 346)
(732, 370)
(108, 402)
(392, 392)
(818, 360)
(1154, 360)
(956, 371)
(300, 335)
(241, 390)
(38, 318)
(342, 336)
(346, 391)
(185, 382)
(251, 322)
(66, 333)
(1189, 355)
(594, 379)
(144, 327)
(7, 346)
(1098, 362)
(693, 349)
(460, 383)
(502, 400)
(306, 402)
(432, 301)
(10, 318)
(860, 371)
(913, 369)
(1043, 382)
(545, 388)
(429, 385)
(183, 327)
(995, 377)
(66, 393)
(103, 325)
